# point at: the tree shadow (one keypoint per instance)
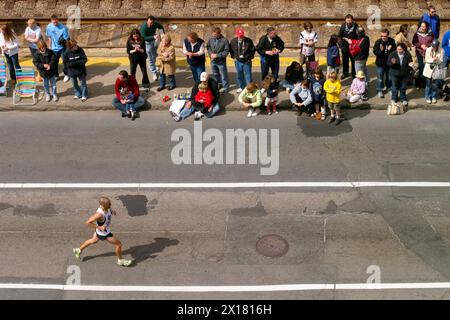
(141, 253)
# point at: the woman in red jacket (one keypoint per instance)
(119, 102)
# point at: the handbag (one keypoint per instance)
(395, 109)
(439, 72)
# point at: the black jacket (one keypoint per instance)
(48, 57)
(343, 33)
(382, 55)
(265, 45)
(75, 62)
(365, 49)
(249, 50)
(213, 85)
(396, 69)
(136, 57)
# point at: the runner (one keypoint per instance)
(101, 222)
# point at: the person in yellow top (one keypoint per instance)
(333, 88)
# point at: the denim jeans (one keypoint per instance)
(431, 89)
(83, 91)
(361, 65)
(274, 66)
(220, 72)
(58, 57)
(214, 111)
(399, 84)
(197, 71)
(162, 81)
(187, 112)
(13, 64)
(50, 85)
(243, 73)
(151, 53)
(123, 108)
(383, 78)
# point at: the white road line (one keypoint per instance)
(238, 185)
(218, 289)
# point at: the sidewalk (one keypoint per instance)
(102, 73)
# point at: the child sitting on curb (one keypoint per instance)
(358, 88)
(251, 99)
(301, 98)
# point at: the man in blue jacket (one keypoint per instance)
(446, 47)
(433, 20)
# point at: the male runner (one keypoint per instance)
(101, 222)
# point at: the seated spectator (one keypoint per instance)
(47, 65)
(203, 101)
(358, 88)
(167, 63)
(251, 99)
(120, 103)
(75, 60)
(294, 75)
(301, 98)
(189, 108)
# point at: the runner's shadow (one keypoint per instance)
(143, 252)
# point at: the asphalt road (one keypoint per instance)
(209, 237)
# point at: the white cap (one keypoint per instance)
(204, 77)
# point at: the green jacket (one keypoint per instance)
(254, 98)
(149, 33)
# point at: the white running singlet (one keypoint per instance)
(106, 222)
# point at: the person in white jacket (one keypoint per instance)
(433, 58)
(9, 45)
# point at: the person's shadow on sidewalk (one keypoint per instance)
(141, 253)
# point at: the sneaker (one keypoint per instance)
(277, 112)
(405, 103)
(83, 99)
(48, 98)
(124, 262)
(269, 113)
(338, 121)
(124, 115)
(197, 116)
(66, 79)
(175, 116)
(434, 101)
(313, 115)
(263, 90)
(76, 97)
(155, 77)
(256, 113)
(239, 90)
(333, 119)
(288, 91)
(250, 112)
(133, 115)
(324, 117)
(381, 95)
(77, 252)
(364, 98)
(55, 98)
(428, 101)
(146, 90)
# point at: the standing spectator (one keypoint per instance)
(400, 64)
(251, 99)
(194, 50)
(333, 88)
(32, 35)
(242, 50)
(218, 49)
(308, 41)
(318, 94)
(75, 59)
(294, 75)
(382, 49)
(269, 47)
(151, 31)
(9, 45)
(167, 63)
(363, 54)
(433, 20)
(348, 32)
(129, 83)
(333, 55)
(422, 41)
(47, 66)
(433, 58)
(402, 36)
(271, 86)
(138, 56)
(446, 47)
(57, 35)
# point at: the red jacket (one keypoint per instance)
(206, 98)
(131, 84)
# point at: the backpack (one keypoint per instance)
(355, 47)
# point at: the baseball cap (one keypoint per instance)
(204, 77)
(435, 44)
(240, 32)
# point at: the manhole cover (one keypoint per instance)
(272, 246)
